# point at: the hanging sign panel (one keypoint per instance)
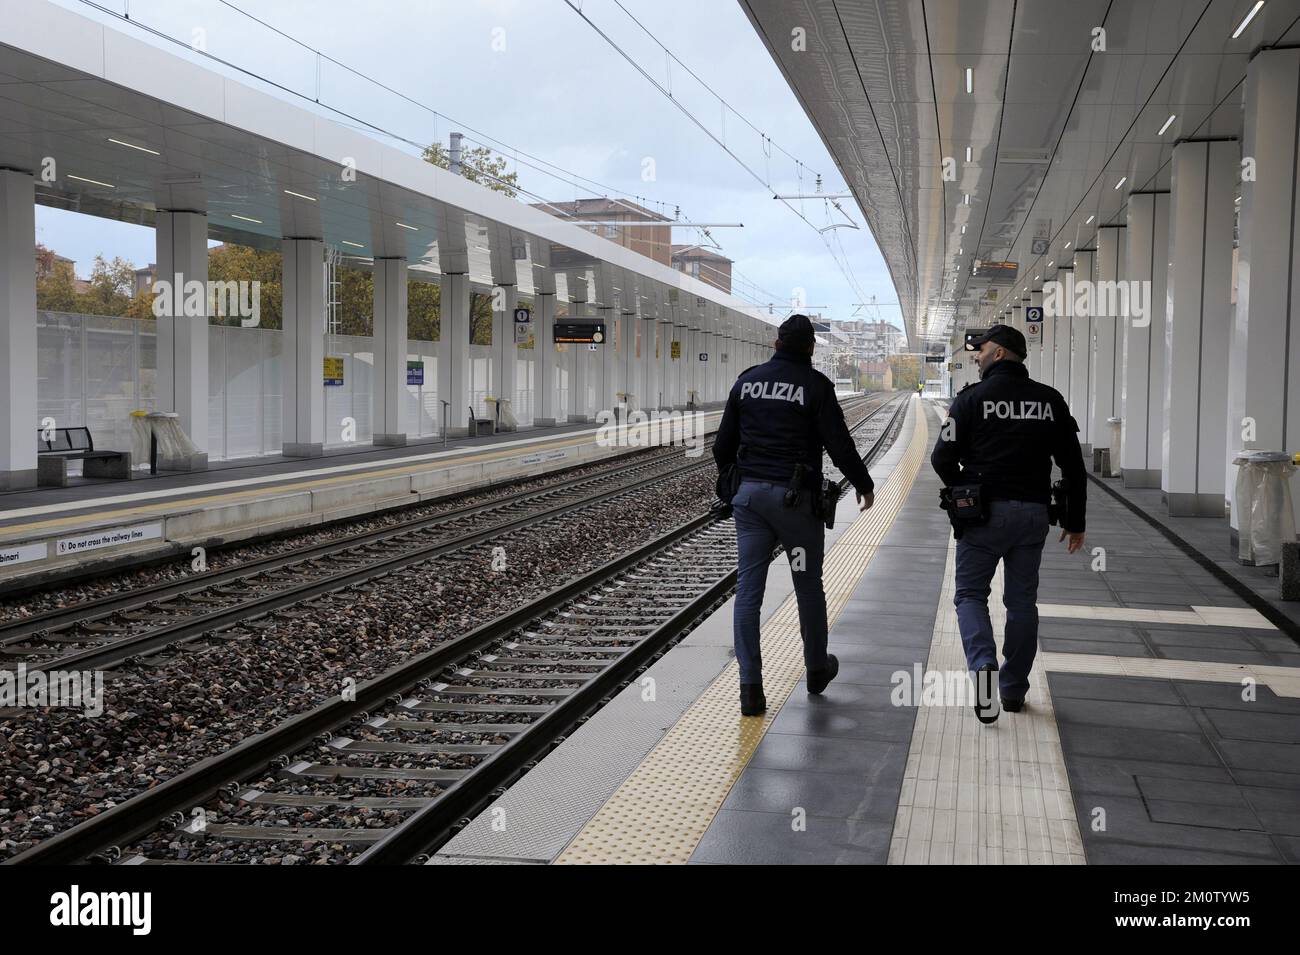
(581, 333)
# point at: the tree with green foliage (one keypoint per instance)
(240, 263)
(478, 165)
(907, 371)
(423, 306)
(56, 283)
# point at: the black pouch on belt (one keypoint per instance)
(1060, 505)
(968, 507)
(827, 497)
(794, 490)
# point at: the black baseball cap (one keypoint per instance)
(1004, 335)
(796, 332)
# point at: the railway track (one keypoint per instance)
(109, 632)
(430, 741)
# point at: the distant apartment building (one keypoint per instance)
(698, 262)
(619, 221)
(877, 376)
(144, 278)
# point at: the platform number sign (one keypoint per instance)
(523, 324)
(1034, 324)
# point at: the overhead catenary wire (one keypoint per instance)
(844, 267)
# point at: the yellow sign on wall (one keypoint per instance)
(333, 371)
(677, 351)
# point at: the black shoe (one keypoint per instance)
(1012, 706)
(752, 700)
(986, 705)
(818, 680)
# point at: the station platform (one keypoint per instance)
(1162, 725)
(48, 532)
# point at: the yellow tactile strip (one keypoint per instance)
(976, 794)
(660, 813)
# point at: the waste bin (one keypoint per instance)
(502, 417)
(1265, 519)
(1116, 436)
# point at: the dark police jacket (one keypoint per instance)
(781, 413)
(1004, 432)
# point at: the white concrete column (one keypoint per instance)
(453, 351)
(649, 363)
(1043, 366)
(624, 344)
(689, 359)
(18, 421)
(1058, 313)
(579, 370)
(606, 398)
(711, 370)
(1034, 364)
(504, 350)
(182, 251)
(1105, 381)
(1197, 333)
(388, 382)
(1142, 349)
(302, 355)
(706, 366)
(682, 381)
(544, 358)
(1081, 353)
(1264, 365)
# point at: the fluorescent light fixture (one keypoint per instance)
(298, 195)
(143, 149)
(970, 73)
(355, 245)
(413, 228)
(236, 215)
(963, 230)
(960, 252)
(968, 154)
(1241, 27)
(1037, 277)
(966, 198)
(1067, 246)
(107, 185)
(1088, 221)
(1122, 180)
(1169, 122)
(1050, 264)
(1238, 199)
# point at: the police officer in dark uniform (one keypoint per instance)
(994, 455)
(779, 417)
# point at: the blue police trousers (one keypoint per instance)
(763, 520)
(1014, 534)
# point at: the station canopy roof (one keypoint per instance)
(1052, 123)
(132, 128)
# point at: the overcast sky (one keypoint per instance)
(533, 75)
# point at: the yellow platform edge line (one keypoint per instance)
(662, 810)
